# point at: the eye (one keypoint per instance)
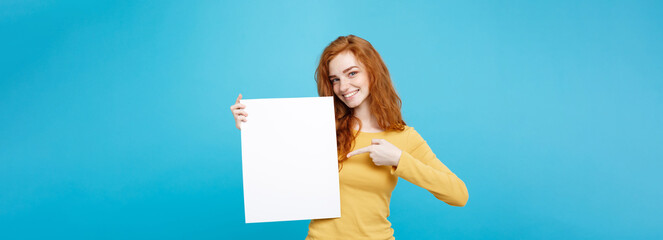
(353, 73)
(333, 80)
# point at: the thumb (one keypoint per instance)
(239, 98)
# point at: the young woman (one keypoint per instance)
(375, 146)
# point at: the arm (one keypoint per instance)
(419, 165)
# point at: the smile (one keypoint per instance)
(351, 94)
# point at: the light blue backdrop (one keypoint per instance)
(115, 120)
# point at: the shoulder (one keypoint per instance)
(410, 131)
(407, 129)
(405, 133)
(413, 137)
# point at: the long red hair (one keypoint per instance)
(385, 103)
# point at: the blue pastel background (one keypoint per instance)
(115, 120)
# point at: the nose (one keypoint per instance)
(345, 85)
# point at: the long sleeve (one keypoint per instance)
(366, 188)
(419, 165)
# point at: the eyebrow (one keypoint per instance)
(344, 71)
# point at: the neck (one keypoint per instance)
(363, 113)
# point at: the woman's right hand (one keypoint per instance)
(239, 114)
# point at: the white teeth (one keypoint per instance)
(351, 94)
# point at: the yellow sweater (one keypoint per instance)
(366, 188)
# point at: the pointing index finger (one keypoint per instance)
(360, 151)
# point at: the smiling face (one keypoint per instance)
(349, 79)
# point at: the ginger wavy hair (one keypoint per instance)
(385, 103)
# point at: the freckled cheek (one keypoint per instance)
(336, 93)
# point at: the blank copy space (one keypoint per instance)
(289, 159)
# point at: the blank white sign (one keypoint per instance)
(289, 159)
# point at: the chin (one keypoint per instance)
(348, 104)
(354, 104)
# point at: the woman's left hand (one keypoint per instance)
(382, 152)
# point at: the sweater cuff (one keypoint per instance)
(403, 164)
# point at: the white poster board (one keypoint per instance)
(289, 159)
